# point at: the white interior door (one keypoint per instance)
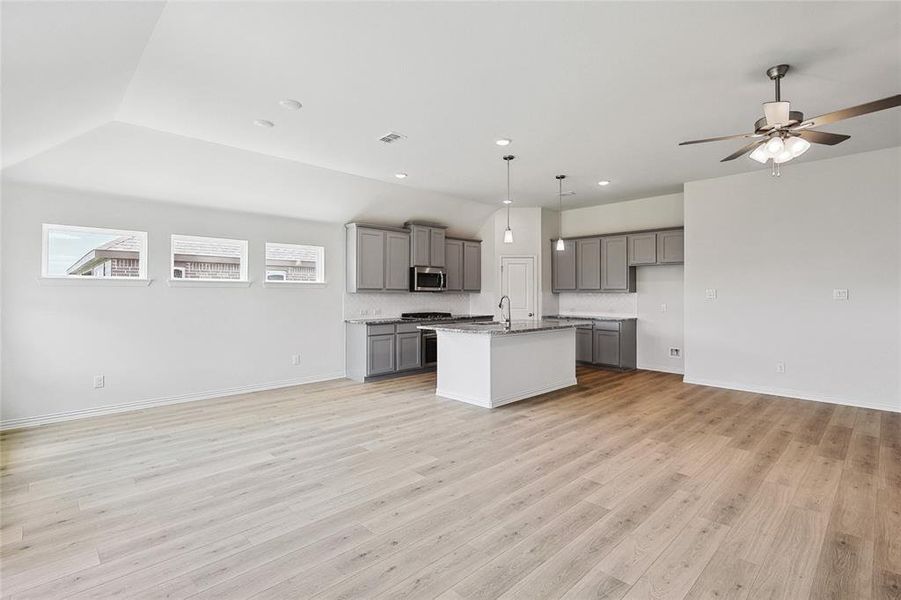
(518, 282)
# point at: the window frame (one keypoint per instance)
(320, 269)
(243, 271)
(143, 256)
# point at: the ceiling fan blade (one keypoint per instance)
(776, 113)
(744, 150)
(721, 138)
(821, 137)
(853, 111)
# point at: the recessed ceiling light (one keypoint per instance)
(400, 175)
(503, 142)
(289, 104)
(264, 123)
(603, 182)
(507, 201)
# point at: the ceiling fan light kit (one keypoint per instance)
(782, 134)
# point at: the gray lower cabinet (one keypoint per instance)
(472, 266)
(614, 344)
(453, 258)
(584, 345)
(397, 257)
(606, 348)
(616, 274)
(409, 350)
(588, 264)
(643, 249)
(563, 263)
(671, 247)
(380, 354)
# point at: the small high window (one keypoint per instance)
(295, 263)
(72, 252)
(208, 259)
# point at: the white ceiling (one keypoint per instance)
(592, 90)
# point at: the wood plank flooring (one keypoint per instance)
(628, 486)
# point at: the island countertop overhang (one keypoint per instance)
(496, 328)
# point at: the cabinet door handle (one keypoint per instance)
(530, 314)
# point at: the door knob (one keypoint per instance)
(530, 314)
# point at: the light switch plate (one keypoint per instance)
(839, 294)
(710, 294)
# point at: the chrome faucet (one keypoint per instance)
(500, 305)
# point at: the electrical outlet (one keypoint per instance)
(780, 367)
(663, 308)
(675, 352)
(839, 294)
(99, 381)
(710, 294)
(295, 359)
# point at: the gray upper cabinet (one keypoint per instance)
(453, 256)
(377, 259)
(472, 266)
(397, 257)
(436, 251)
(643, 249)
(564, 267)
(427, 246)
(671, 247)
(370, 259)
(616, 274)
(588, 264)
(420, 245)
(380, 354)
(408, 350)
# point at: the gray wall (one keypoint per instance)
(157, 343)
(774, 249)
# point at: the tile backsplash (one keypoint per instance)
(392, 305)
(598, 304)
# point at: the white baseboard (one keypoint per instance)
(788, 393)
(506, 399)
(661, 368)
(163, 401)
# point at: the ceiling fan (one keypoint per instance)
(783, 134)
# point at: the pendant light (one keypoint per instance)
(560, 245)
(508, 233)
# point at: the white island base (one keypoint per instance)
(493, 370)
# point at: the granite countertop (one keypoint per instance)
(594, 318)
(495, 328)
(393, 320)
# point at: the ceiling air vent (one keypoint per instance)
(391, 137)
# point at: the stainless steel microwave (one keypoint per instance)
(428, 279)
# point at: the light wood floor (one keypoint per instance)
(628, 486)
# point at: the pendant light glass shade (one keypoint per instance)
(508, 233)
(561, 246)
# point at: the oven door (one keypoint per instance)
(429, 349)
(427, 279)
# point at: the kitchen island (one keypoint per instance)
(491, 364)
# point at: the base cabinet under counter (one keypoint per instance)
(377, 350)
(607, 344)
